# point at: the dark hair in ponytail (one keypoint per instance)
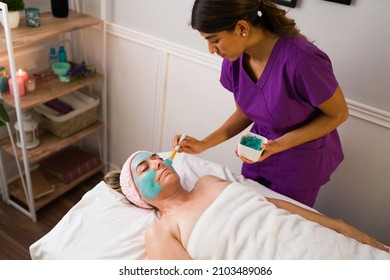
(211, 16)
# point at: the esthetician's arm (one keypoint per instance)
(334, 224)
(236, 123)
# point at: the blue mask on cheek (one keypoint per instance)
(168, 162)
(146, 184)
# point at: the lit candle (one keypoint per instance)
(22, 74)
(30, 84)
(20, 86)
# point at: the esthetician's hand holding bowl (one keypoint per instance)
(249, 155)
(251, 147)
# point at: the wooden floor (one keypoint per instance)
(18, 232)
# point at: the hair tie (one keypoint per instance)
(259, 12)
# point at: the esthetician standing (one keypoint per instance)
(283, 85)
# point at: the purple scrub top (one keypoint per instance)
(297, 77)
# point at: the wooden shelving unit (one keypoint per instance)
(50, 26)
(60, 189)
(50, 144)
(48, 87)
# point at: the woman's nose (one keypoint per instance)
(156, 164)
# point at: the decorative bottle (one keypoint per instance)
(52, 56)
(59, 8)
(62, 54)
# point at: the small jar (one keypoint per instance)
(3, 79)
(32, 17)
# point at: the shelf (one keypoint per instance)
(47, 88)
(60, 189)
(49, 143)
(50, 26)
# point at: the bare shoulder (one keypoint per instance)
(157, 231)
(162, 242)
(211, 180)
(153, 231)
(160, 227)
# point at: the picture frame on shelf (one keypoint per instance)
(345, 2)
(287, 3)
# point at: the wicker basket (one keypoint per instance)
(68, 124)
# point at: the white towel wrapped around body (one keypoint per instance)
(242, 224)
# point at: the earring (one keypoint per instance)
(244, 34)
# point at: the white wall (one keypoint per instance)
(161, 81)
(356, 37)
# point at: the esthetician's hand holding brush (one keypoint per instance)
(191, 145)
(177, 147)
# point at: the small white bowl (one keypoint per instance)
(245, 150)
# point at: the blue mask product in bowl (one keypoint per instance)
(249, 146)
(251, 142)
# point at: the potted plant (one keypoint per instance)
(14, 8)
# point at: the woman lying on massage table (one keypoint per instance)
(150, 182)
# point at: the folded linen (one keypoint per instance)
(48, 110)
(83, 97)
(73, 101)
(59, 106)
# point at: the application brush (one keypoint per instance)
(177, 147)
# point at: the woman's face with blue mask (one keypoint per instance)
(148, 171)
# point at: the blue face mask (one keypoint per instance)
(146, 184)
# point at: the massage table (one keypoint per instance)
(105, 225)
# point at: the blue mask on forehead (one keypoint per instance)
(146, 184)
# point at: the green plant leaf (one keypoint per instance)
(4, 118)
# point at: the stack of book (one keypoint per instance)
(41, 186)
(70, 163)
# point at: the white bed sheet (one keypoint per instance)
(104, 225)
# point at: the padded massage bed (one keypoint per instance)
(104, 225)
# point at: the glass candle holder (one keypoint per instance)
(32, 17)
(30, 84)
